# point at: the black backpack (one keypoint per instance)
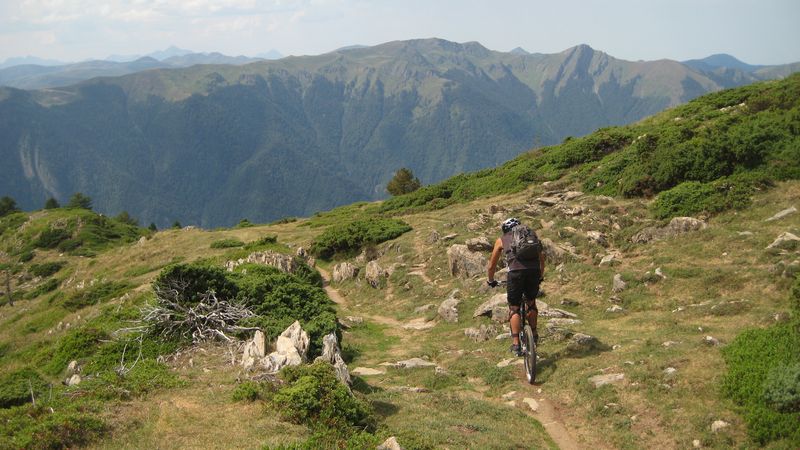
(525, 245)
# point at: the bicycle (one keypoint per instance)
(527, 343)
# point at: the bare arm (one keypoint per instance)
(496, 252)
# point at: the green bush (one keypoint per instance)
(146, 376)
(194, 280)
(48, 286)
(314, 396)
(751, 358)
(46, 269)
(26, 256)
(782, 388)
(75, 345)
(247, 391)
(227, 243)
(350, 237)
(39, 427)
(93, 295)
(15, 387)
(51, 237)
(693, 197)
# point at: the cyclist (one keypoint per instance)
(524, 277)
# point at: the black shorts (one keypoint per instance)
(522, 283)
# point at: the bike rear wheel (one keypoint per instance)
(529, 353)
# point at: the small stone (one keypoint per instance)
(615, 309)
(669, 344)
(450, 237)
(509, 395)
(711, 340)
(719, 425)
(619, 284)
(611, 378)
(414, 363)
(532, 404)
(74, 380)
(569, 302)
(511, 403)
(390, 444)
(670, 371)
(660, 273)
(696, 443)
(782, 214)
(366, 371)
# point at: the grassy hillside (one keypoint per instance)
(703, 332)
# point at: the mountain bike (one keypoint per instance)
(526, 342)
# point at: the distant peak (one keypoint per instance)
(519, 51)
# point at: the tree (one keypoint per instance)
(153, 226)
(51, 203)
(403, 182)
(126, 218)
(78, 200)
(177, 224)
(7, 206)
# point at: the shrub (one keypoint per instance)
(782, 388)
(314, 396)
(194, 280)
(51, 237)
(77, 344)
(7, 206)
(39, 427)
(51, 203)
(48, 286)
(248, 391)
(46, 269)
(15, 387)
(26, 256)
(227, 243)
(403, 182)
(78, 200)
(244, 223)
(352, 236)
(693, 197)
(92, 295)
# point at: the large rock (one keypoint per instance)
(374, 274)
(677, 226)
(486, 308)
(785, 241)
(464, 263)
(390, 444)
(296, 337)
(496, 308)
(611, 378)
(582, 342)
(618, 284)
(782, 214)
(479, 244)
(448, 310)
(333, 356)
(344, 271)
(285, 263)
(254, 350)
(557, 254)
(480, 334)
(291, 349)
(597, 237)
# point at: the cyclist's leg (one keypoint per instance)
(531, 291)
(514, 296)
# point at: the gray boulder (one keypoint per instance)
(479, 244)
(618, 284)
(344, 271)
(611, 378)
(597, 237)
(374, 274)
(291, 349)
(557, 254)
(785, 241)
(782, 214)
(254, 350)
(333, 356)
(448, 310)
(390, 444)
(677, 226)
(464, 263)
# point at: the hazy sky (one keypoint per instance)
(755, 31)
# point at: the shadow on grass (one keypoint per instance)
(548, 365)
(384, 409)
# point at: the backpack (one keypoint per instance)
(525, 245)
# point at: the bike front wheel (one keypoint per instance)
(529, 354)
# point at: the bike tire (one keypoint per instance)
(529, 354)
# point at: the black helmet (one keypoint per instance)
(509, 224)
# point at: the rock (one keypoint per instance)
(557, 254)
(669, 344)
(548, 201)
(285, 263)
(433, 237)
(503, 335)
(618, 284)
(547, 311)
(616, 299)
(142, 240)
(610, 259)
(611, 378)
(419, 324)
(571, 195)
(569, 302)
(669, 371)
(465, 264)
(719, 425)
(492, 306)
(479, 244)
(450, 237)
(696, 443)
(615, 309)
(782, 214)
(580, 341)
(494, 209)
(254, 350)
(297, 337)
(424, 308)
(559, 322)
(659, 273)
(597, 237)
(792, 269)
(785, 241)
(710, 340)
(509, 395)
(344, 271)
(412, 389)
(374, 274)
(333, 356)
(390, 444)
(366, 372)
(74, 380)
(480, 334)
(414, 363)
(532, 404)
(509, 362)
(448, 310)
(290, 350)
(677, 226)
(72, 368)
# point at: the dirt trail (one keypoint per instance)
(547, 413)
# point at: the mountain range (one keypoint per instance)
(212, 144)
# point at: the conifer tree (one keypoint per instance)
(403, 182)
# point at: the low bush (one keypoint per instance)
(92, 295)
(51, 237)
(39, 427)
(314, 396)
(692, 197)
(17, 387)
(26, 256)
(194, 280)
(247, 391)
(75, 345)
(227, 243)
(782, 388)
(48, 286)
(46, 269)
(350, 237)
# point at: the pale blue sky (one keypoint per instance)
(755, 31)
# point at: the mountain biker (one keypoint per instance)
(524, 277)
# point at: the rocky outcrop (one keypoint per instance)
(782, 214)
(332, 354)
(343, 272)
(285, 263)
(479, 244)
(676, 226)
(785, 241)
(254, 350)
(291, 349)
(618, 284)
(448, 310)
(374, 274)
(557, 254)
(464, 263)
